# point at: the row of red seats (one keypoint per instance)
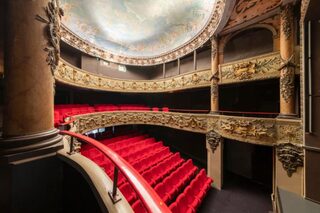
(63, 111)
(168, 173)
(126, 142)
(172, 184)
(192, 196)
(155, 174)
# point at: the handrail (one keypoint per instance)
(148, 196)
(248, 112)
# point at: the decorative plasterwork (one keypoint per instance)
(287, 20)
(245, 10)
(186, 48)
(184, 121)
(257, 68)
(291, 157)
(54, 14)
(287, 84)
(213, 139)
(71, 75)
(262, 131)
(289, 131)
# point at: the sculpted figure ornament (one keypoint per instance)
(213, 139)
(291, 157)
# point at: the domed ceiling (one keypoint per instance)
(139, 32)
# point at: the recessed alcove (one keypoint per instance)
(248, 43)
(195, 99)
(258, 96)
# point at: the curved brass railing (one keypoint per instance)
(71, 75)
(146, 193)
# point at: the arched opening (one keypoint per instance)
(248, 43)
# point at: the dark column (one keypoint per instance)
(30, 171)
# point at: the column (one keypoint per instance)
(30, 58)
(287, 76)
(214, 145)
(30, 172)
(215, 75)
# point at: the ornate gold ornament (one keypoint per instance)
(291, 157)
(53, 21)
(287, 84)
(290, 132)
(245, 129)
(287, 20)
(256, 68)
(71, 75)
(213, 139)
(185, 121)
(264, 131)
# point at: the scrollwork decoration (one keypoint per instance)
(53, 21)
(260, 67)
(213, 139)
(287, 20)
(291, 157)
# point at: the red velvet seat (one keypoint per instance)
(138, 207)
(128, 192)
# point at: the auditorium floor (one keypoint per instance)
(239, 195)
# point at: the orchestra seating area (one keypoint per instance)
(180, 184)
(66, 110)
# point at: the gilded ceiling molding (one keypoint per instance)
(256, 130)
(287, 20)
(77, 42)
(53, 21)
(71, 75)
(256, 68)
(213, 139)
(291, 157)
(183, 121)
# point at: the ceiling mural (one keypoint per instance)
(130, 30)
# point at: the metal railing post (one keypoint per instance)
(113, 194)
(71, 151)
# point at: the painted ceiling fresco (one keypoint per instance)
(137, 28)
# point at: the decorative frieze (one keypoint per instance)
(54, 14)
(256, 68)
(263, 131)
(289, 131)
(71, 75)
(185, 121)
(260, 131)
(291, 157)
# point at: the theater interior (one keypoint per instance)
(178, 106)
